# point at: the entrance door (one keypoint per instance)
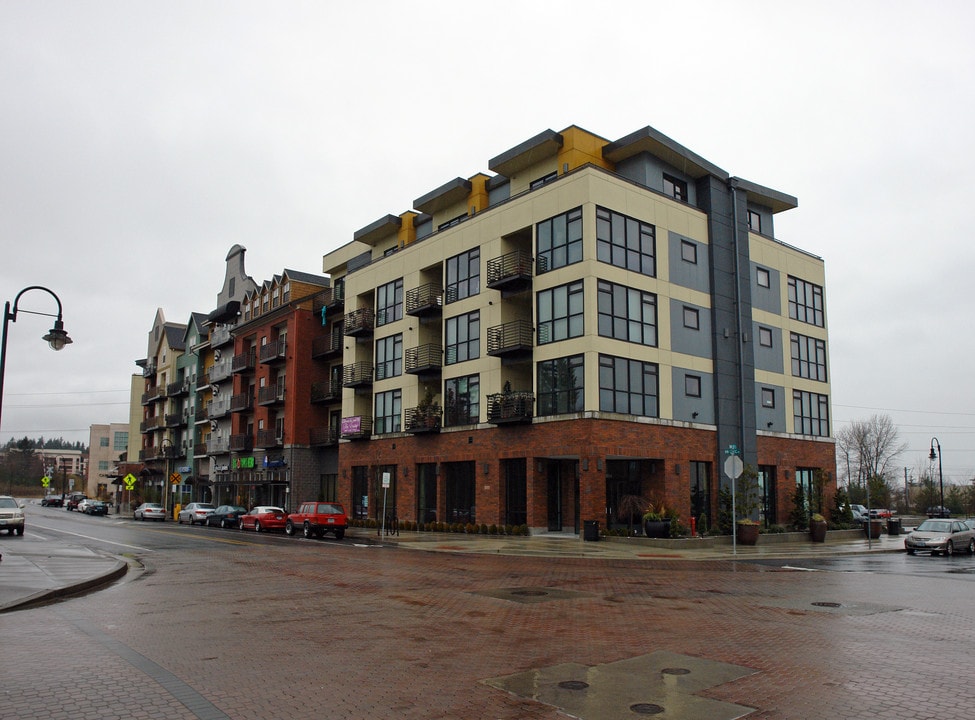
(563, 495)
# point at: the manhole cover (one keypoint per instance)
(573, 685)
(646, 709)
(530, 593)
(675, 671)
(827, 604)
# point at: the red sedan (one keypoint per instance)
(264, 517)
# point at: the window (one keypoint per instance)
(627, 386)
(625, 242)
(388, 411)
(275, 297)
(765, 337)
(808, 357)
(389, 357)
(692, 318)
(688, 251)
(103, 465)
(675, 188)
(463, 275)
(389, 302)
(560, 313)
(462, 404)
(559, 241)
(763, 277)
(692, 385)
(805, 302)
(450, 223)
(463, 337)
(700, 478)
(561, 385)
(103, 442)
(768, 398)
(264, 303)
(754, 221)
(627, 314)
(534, 184)
(121, 441)
(286, 292)
(811, 413)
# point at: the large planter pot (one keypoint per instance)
(817, 531)
(873, 528)
(747, 533)
(656, 528)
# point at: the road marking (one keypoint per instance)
(89, 537)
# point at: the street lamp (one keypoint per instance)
(941, 477)
(57, 337)
(162, 446)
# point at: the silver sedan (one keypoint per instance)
(937, 535)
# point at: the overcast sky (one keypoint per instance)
(140, 141)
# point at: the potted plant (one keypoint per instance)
(630, 506)
(747, 531)
(656, 522)
(817, 528)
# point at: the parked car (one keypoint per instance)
(71, 502)
(263, 517)
(11, 515)
(940, 535)
(94, 507)
(149, 511)
(317, 518)
(879, 513)
(859, 513)
(938, 511)
(195, 512)
(82, 504)
(52, 501)
(226, 516)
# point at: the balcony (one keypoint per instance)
(153, 394)
(244, 362)
(150, 369)
(200, 450)
(151, 423)
(423, 419)
(180, 387)
(511, 407)
(360, 323)
(220, 370)
(325, 391)
(510, 273)
(272, 395)
(218, 446)
(326, 346)
(424, 360)
(425, 300)
(218, 407)
(323, 436)
(269, 439)
(201, 415)
(273, 352)
(220, 335)
(357, 375)
(511, 341)
(241, 442)
(241, 402)
(174, 420)
(356, 427)
(329, 300)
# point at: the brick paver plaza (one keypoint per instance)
(323, 629)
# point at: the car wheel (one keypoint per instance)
(971, 546)
(949, 549)
(19, 531)
(240, 525)
(339, 534)
(910, 552)
(223, 522)
(257, 526)
(289, 528)
(306, 529)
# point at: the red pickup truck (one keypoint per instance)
(317, 518)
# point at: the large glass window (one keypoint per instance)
(121, 441)
(560, 313)
(462, 403)
(389, 410)
(805, 302)
(808, 357)
(811, 413)
(561, 385)
(389, 302)
(701, 494)
(675, 188)
(625, 242)
(459, 491)
(463, 337)
(559, 241)
(628, 386)
(426, 492)
(389, 357)
(463, 275)
(627, 314)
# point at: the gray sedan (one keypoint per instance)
(940, 536)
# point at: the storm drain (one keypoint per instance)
(532, 594)
(654, 684)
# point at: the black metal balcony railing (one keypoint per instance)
(269, 438)
(201, 414)
(326, 391)
(326, 346)
(323, 436)
(200, 450)
(271, 395)
(512, 338)
(360, 323)
(241, 442)
(273, 351)
(244, 362)
(511, 272)
(357, 374)
(153, 394)
(423, 419)
(510, 407)
(174, 420)
(425, 300)
(180, 387)
(424, 359)
(241, 402)
(331, 299)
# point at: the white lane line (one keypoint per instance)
(89, 537)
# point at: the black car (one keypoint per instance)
(96, 507)
(937, 511)
(52, 501)
(226, 516)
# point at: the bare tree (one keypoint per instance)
(868, 449)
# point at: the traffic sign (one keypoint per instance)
(45, 481)
(129, 481)
(733, 467)
(175, 478)
(733, 450)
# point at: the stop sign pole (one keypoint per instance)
(733, 467)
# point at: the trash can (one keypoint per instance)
(893, 526)
(590, 530)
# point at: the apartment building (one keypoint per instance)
(592, 319)
(108, 445)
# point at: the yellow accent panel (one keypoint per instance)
(580, 147)
(407, 232)
(477, 200)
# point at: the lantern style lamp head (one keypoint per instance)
(57, 336)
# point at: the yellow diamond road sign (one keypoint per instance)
(45, 481)
(129, 481)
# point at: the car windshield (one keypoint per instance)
(204, 506)
(934, 526)
(8, 502)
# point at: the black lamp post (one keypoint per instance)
(166, 481)
(941, 477)
(57, 337)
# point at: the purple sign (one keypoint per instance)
(352, 425)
